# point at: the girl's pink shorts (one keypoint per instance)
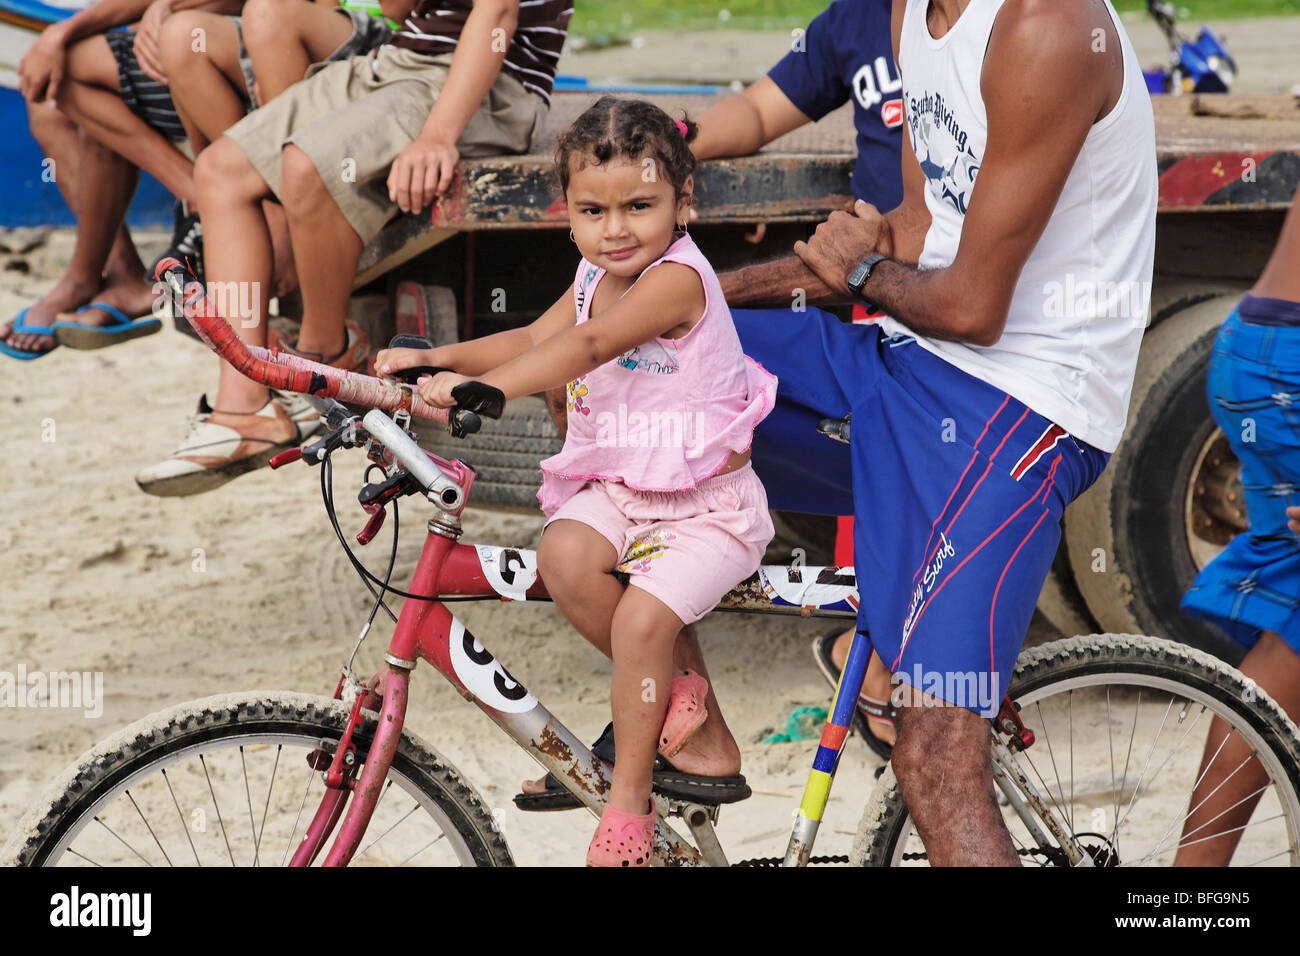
(687, 548)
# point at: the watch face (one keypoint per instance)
(859, 275)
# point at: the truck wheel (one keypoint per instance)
(1061, 601)
(1166, 504)
(505, 453)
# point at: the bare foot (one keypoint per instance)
(133, 296)
(68, 293)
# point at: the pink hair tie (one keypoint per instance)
(681, 126)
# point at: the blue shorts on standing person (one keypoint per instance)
(957, 491)
(1253, 585)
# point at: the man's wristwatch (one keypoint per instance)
(861, 273)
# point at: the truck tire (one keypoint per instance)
(1061, 601)
(1132, 543)
(505, 453)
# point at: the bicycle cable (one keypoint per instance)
(327, 493)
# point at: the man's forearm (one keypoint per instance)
(929, 302)
(776, 284)
(480, 52)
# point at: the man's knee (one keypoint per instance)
(301, 185)
(223, 173)
(938, 743)
(267, 19)
(46, 120)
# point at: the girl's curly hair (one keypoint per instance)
(637, 129)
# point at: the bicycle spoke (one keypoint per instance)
(310, 777)
(150, 829)
(1033, 765)
(217, 807)
(1137, 788)
(1190, 809)
(422, 849)
(257, 847)
(1110, 750)
(1165, 762)
(1069, 707)
(248, 798)
(86, 858)
(181, 817)
(121, 841)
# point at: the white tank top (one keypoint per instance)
(1069, 349)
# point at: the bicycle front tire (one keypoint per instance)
(149, 794)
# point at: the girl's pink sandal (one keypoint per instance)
(622, 839)
(686, 712)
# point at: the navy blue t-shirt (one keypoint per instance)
(846, 52)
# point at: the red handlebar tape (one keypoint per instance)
(289, 373)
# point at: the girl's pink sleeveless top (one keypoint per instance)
(667, 414)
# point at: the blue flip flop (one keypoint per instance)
(20, 325)
(78, 335)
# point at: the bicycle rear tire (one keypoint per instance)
(885, 831)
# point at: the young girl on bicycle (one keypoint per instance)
(654, 479)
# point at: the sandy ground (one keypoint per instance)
(243, 588)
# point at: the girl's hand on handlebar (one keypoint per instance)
(437, 390)
(391, 361)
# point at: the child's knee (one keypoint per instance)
(223, 172)
(565, 558)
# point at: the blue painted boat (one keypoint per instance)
(26, 198)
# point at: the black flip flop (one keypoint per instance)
(667, 780)
(821, 648)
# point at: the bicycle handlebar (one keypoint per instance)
(291, 373)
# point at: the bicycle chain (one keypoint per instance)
(778, 861)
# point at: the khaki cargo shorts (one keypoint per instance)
(354, 116)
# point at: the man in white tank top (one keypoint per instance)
(1017, 271)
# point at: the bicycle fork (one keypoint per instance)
(818, 789)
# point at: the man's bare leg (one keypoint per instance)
(207, 87)
(326, 250)
(91, 97)
(284, 37)
(945, 771)
(1226, 795)
(102, 240)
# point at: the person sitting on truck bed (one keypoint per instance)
(98, 108)
(844, 56)
(1250, 589)
(979, 411)
(345, 150)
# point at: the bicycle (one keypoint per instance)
(121, 802)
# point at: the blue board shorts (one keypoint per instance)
(1254, 392)
(956, 488)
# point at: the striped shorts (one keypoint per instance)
(143, 96)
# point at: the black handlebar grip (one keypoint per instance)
(480, 398)
(462, 422)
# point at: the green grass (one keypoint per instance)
(614, 18)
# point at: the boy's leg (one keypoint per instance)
(91, 96)
(284, 37)
(326, 249)
(238, 258)
(207, 87)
